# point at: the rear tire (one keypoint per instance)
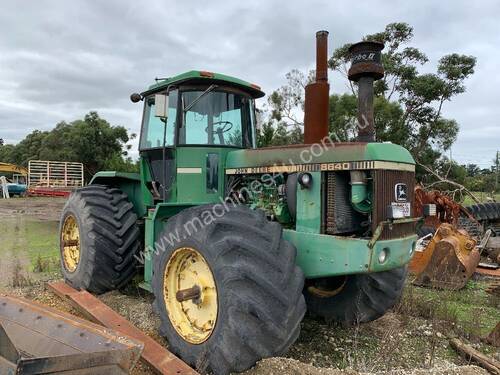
(108, 239)
(258, 289)
(363, 297)
(488, 216)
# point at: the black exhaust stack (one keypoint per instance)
(366, 68)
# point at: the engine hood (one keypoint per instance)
(333, 156)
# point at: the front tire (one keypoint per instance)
(357, 298)
(253, 304)
(98, 239)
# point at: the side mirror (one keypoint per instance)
(161, 105)
(135, 97)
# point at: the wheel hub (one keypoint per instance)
(70, 242)
(190, 295)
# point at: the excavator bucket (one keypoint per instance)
(38, 340)
(447, 261)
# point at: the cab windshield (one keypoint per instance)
(216, 117)
(153, 132)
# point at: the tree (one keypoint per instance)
(418, 123)
(472, 170)
(91, 141)
(285, 108)
(408, 104)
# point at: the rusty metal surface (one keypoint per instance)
(448, 211)
(448, 261)
(317, 99)
(494, 288)
(35, 339)
(366, 120)
(322, 56)
(155, 355)
(366, 60)
(366, 67)
(489, 272)
(188, 294)
(383, 193)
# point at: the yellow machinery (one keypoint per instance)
(12, 168)
(448, 260)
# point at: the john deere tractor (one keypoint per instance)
(236, 242)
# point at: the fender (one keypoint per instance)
(129, 183)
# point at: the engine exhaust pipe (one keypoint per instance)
(366, 68)
(317, 98)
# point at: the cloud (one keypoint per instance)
(61, 59)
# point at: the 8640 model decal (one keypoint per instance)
(321, 167)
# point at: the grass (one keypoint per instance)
(470, 311)
(481, 196)
(414, 335)
(31, 243)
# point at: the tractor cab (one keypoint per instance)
(236, 241)
(190, 122)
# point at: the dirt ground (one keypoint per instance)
(40, 208)
(412, 339)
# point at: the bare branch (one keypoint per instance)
(447, 181)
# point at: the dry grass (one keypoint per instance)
(45, 264)
(19, 278)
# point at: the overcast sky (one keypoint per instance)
(62, 59)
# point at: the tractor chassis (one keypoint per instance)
(318, 255)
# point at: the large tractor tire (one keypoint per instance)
(355, 299)
(99, 237)
(488, 216)
(228, 292)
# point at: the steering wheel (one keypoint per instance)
(224, 126)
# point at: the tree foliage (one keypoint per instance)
(418, 123)
(91, 141)
(408, 104)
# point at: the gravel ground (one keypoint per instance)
(287, 366)
(138, 309)
(395, 344)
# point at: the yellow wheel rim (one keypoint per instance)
(193, 318)
(70, 243)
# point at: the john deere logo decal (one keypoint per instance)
(401, 192)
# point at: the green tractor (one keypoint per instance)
(235, 242)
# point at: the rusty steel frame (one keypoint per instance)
(35, 339)
(156, 356)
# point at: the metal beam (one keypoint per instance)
(154, 355)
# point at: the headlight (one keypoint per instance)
(305, 180)
(382, 256)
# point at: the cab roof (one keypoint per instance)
(200, 76)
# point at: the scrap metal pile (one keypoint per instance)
(455, 242)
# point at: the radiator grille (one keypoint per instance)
(341, 218)
(384, 182)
